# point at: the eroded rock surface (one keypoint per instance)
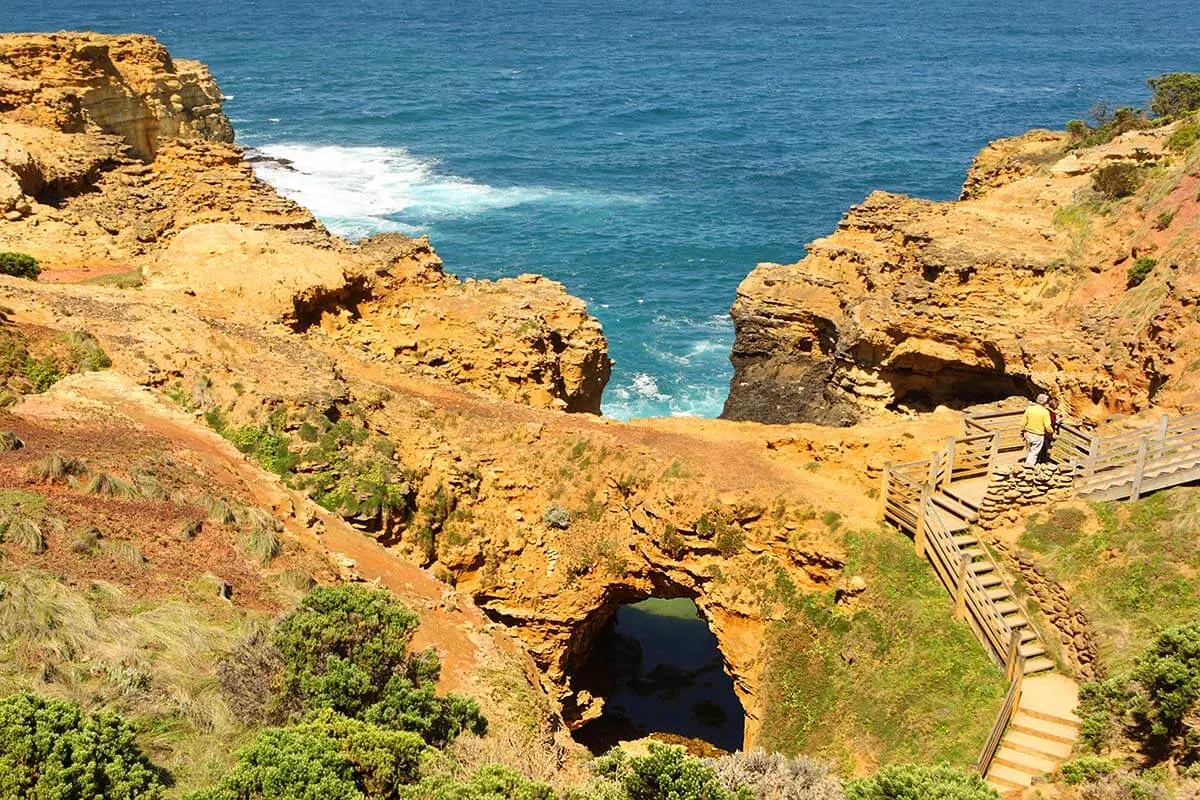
(116, 158)
(1019, 286)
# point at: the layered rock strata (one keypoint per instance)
(1019, 286)
(116, 159)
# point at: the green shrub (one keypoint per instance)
(918, 782)
(1166, 682)
(1117, 180)
(1138, 273)
(555, 516)
(1174, 93)
(52, 749)
(346, 649)
(1164, 220)
(1155, 705)
(1185, 137)
(42, 373)
(490, 782)
(1077, 128)
(86, 353)
(1086, 769)
(19, 265)
(327, 757)
(266, 446)
(665, 773)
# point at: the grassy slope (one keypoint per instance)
(153, 661)
(1131, 566)
(888, 677)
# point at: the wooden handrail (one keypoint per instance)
(1012, 701)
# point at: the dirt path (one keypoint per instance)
(451, 624)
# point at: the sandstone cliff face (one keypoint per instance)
(123, 85)
(115, 158)
(1019, 286)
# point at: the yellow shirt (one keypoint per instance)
(1037, 420)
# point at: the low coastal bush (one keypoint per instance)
(665, 772)
(490, 782)
(52, 749)
(1174, 93)
(19, 265)
(1140, 270)
(346, 649)
(917, 782)
(1086, 769)
(773, 776)
(1185, 137)
(1114, 181)
(327, 757)
(1154, 706)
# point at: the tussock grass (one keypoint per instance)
(148, 487)
(296, 581)
(157, 663)
(190, 528)
(9, 442)
(264, 545)
(123, 550)
(218, 509)
(86, 352)
(56, 467)
(87, 542)
(106, 484)
(259, 521)
(23, 530)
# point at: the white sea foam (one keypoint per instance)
(362, 190)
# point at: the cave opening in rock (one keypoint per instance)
(657, 671)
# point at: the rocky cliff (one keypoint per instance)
(115, 159)
(1021, 285)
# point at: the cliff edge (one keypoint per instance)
(117, 164)
(1043, 276)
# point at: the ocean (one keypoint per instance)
(646, 154)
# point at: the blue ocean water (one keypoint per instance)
(646, 153)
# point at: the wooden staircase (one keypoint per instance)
(1040, 734)
(938, 499)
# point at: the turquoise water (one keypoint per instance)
(671, 681)
(647, 154)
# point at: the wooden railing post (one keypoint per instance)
(1140, 470)
(919, 535)
(1013, 662)
(994, 452)
(934, 466)
(1089, 465)
(1162, 436)
(960, 591)
(885, 488)
(950, 442)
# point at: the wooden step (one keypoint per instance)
(999, 594)
(980, 567)
(1002, 786)
(1051, 719)
(1037, 745)
(1025, 762)
(964, 496)
(956, 508)
(966, 540)
(1033, 650)
(1043, 729)
(1006, 773)
(1036, 665)
(989, 580)
(1007, 607)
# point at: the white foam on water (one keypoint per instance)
(360, 190)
